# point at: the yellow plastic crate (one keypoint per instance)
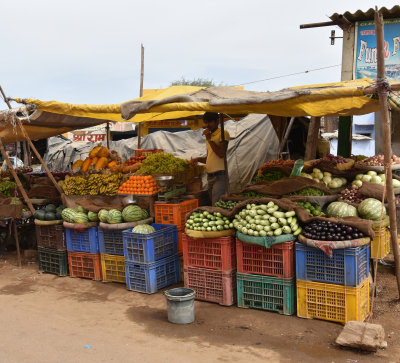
(380, 245)
(113, 268)
(332, 302)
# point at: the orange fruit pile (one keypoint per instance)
(139, 185)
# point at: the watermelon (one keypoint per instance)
(80, 209)
(68, 214)
(341, 209)
(371, 208)
(50, 216)
(39, 214)
(81, 217)
(93, 217)
(50, 208)
(114, 216)
(59, 215)
(145, 214)
(143, 229)
(103, 213)
(132, 213)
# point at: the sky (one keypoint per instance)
(88, 51)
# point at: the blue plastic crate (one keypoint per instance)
(347, 267)
(82, 241)
(110, 242)
(150, 277)
(146, 248)
(266, 293)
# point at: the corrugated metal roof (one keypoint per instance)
(360, 15)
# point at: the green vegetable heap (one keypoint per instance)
(272, 175)
(229, 204)
(254, 194)
(266, 220)
(5, 186)
(309, 191)
(205, 221)
(161, 163)
(311, 209)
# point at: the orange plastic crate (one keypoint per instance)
(170, 213)
(86, 265)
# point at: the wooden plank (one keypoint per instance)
(387, 142)
(140, 126)
(312, 138)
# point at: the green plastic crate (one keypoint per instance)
(53, 261)
(266, 293)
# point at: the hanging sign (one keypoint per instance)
(365, 56)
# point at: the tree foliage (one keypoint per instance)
(199, 82)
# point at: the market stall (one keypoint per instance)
(128, 220)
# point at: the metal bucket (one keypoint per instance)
(180, 305)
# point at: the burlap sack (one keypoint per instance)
(8, 210)
(49, 192)
(372, 190)
(285, 186)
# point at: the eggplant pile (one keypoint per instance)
(328, 231)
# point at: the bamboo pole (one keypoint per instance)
(108, 135)
(15, 176)
(27, 138)
(139, 133)
(383, 87)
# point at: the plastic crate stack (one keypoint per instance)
(210, 268)
(380, 245)
(83, 253)
(175, 213)
(335, 289)
(151, 260)
(266, 277)
(112, 255)
(52, 251)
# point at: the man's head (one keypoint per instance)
(211, 120)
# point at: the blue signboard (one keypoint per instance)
(365, 45)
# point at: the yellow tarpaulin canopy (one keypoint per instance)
(181, 102)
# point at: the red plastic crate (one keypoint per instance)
(212, 253)
(52, 236)
(211, 285)
(277, 261)
(86, 265)
(170, 213)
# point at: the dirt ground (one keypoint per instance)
(45, 318)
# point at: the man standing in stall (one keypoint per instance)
(216, 151)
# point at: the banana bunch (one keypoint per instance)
(110, 184)
(76, 185)
(94, 184)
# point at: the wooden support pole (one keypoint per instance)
(17, 243)
(139, 130)
(312, 138)
(27, 138)
(227, 186)
(285, 138)
(345, 136)
(387, 142)
(15, 176)
(108, 135)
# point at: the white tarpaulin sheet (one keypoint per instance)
(252, 142)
